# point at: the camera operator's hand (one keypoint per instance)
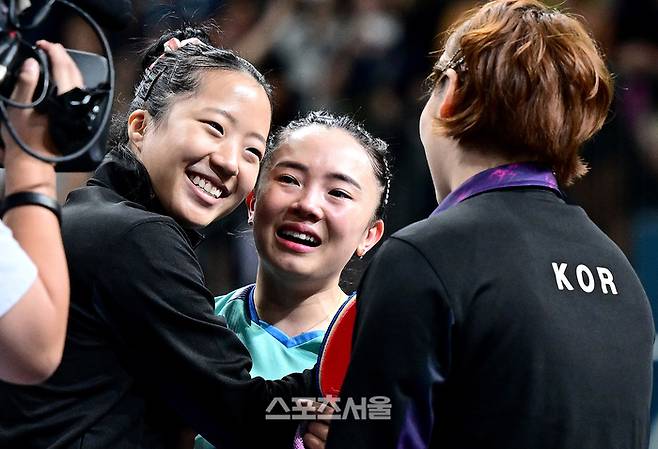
(33, 329)
(25, 173)
(63, 69)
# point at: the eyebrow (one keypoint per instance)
(303, 168)
(231, 118)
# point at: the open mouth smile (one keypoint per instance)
(208, 186)
(298, 237)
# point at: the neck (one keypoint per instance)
(464, 164)
(295, 307)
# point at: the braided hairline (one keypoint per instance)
(387, 189)
(177, 73)
(218, 59)
(376, 148)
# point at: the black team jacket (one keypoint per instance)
(144, 354)
(509, 321)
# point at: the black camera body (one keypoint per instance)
(94, 70)
(78, 119)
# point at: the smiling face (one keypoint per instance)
(314, 207)
(203, 156)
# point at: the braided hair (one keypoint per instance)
(376, 148)
(169, 75)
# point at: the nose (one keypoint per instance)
(308, 205)
(224, 159)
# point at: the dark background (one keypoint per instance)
(368, 58)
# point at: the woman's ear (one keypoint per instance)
(371, 237)
(250, 201)
(136, 128)
(449, 99)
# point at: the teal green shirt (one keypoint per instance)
(274, 353)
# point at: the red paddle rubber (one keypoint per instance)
(334, 356)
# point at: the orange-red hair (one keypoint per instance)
(533, 84)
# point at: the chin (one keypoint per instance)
(192, 224)
(190, 221)
(291, 268)
(199, 217)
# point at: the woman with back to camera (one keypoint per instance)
(507, 319)
(319, 200)
(145, 354)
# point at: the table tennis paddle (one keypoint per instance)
(336, 349)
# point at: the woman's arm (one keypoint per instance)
(32, 332)
(153, 293)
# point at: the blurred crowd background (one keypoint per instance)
(368, 58)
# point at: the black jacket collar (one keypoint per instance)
(129, 178)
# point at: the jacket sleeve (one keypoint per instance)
(151, 294)
(400, 356)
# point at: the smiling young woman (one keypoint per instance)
(315, 206)
(144, 350)
(203, 156)
(319, 201)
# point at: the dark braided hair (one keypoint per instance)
(167, 76)
(376, 148)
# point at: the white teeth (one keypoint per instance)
(206, 186)
(300, 236)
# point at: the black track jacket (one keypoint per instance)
(509, 321)
(144, 353)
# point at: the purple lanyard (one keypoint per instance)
(505, 176)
